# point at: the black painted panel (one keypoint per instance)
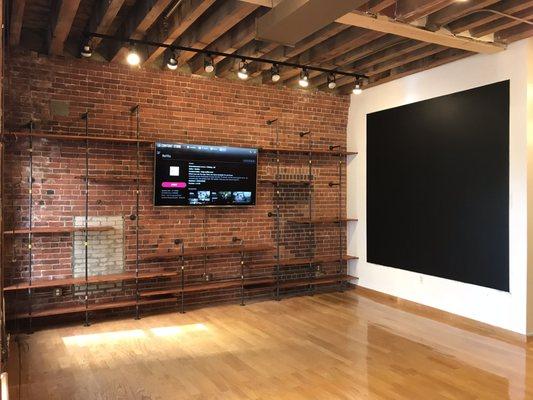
(438, 186)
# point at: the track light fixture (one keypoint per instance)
(242, 73)
(274, 73)
(172, 63)
(304, 78)
(133, 57)
(209, 66)
(357, 90)
(86, 52)
(332, 84)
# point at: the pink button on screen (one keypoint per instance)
(174, 185)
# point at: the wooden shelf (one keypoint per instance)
(113, 178)
(317, 221)
(306, 151)
(48, 135)
(44, 230)
(92, 280)
(91, 307)
(323, 280)
(286, 182)
(173, 255)
(301, 261)
(213, 285)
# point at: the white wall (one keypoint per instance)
(507, 310)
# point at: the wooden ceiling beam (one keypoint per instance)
(218, 21)
(450, 13)
(141, 18)
(501, 23)
(433, 61)
(61, 19)
(515, 33)
(15, 21)
(175, 25)
(363, 51)
(387, 25)
(377, 6)
(104, 13)
(229, 42)
(472, 21)
(407, 10)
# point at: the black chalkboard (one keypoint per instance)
(438, 186)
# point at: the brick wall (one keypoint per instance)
(54, 92)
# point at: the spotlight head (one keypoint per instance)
(304, 79)
(242, 73)
(172, 63)
(209, 67)
(357, 90)
(133, 57)
(86, 52)
(274, 74)
(332, 84)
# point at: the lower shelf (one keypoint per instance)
(91, 307)
(39, 284)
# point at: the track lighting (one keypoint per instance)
(274, 73)
(304, 78)
(209, 66)
(133, 57)
(242, 73)
(332, 84)
(86, 52)
(172, 63)
(357, 90)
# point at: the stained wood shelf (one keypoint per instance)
(292, 283)
(48, 135)
(113, 178)
(195, 252)
(91, 280)
(306, 151)
(59, 229)
(317, 221)
(91, 307)
(303, 182)
(301, 261)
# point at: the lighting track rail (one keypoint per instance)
(210, 53)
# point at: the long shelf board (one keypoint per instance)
(91, 307)
(48, 135)
(315, 281)
(301, 261)
(306, 151)
(316, 221)
(286, 181)
(173, 255)
(57, 229)
(91, 280)
(113, 178)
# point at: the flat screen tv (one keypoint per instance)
(203, 175)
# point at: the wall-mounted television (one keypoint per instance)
(204, 175)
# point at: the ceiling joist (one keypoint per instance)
(385, 24)
(61, 19)
(15, 28)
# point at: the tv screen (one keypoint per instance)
(204, 175)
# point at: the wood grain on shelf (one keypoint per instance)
(48, 135)
(320, 220)
(92, 279)
(91, 307)
(57, 229)
(306, 151)
(300, 261)
(291, 283)
(172, 255)
(113, 178)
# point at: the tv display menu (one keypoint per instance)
(204, 175)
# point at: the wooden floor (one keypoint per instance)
(330, 346)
